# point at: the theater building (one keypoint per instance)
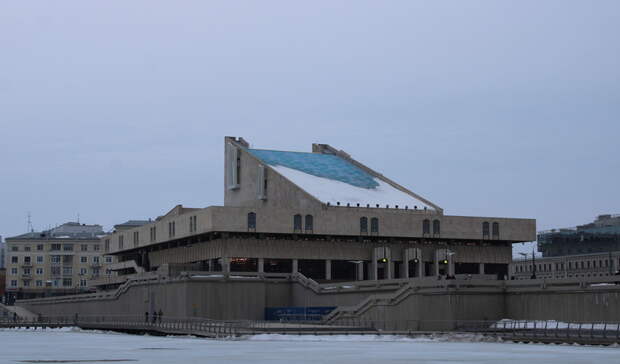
(322, 214)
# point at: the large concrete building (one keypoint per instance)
(56, 261)
(291, 219)
(322, 214)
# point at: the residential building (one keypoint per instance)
(53, 262)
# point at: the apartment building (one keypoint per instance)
(57, 261)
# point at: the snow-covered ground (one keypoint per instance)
(67, 345)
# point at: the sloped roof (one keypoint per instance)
(333, 179)
(321, 165)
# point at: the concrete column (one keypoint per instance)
(405, 268)
(295, 266)
(225, 264)
(261, 265)
(390, 269)
(420, 268)
(373, 266)
(328, 269)
(481, 268)
(360, 271)
(451, 265)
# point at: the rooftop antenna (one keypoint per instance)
(29, 223)
(78, 220)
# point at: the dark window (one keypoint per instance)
(426, 226)
(238, 166)
(485, 229)
(171, 229)
(309, 223)
(297, 222)
(436, 227)
(251, 221)
(120, 242)
(374, 225)
(495, 230)
(363, 225)
(136, 238)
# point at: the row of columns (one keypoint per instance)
(378, 255)
(295, 268)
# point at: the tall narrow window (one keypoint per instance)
(261, 182)
(192, 224)
(495, 231)
(309, 223)
(374, 225)
(171, 229)
(251, 221)
(363, 225)
(234, 166)
(136, 239)
(297, 223)
(106, 245)
(121, 242)
(485, 230)
(436, 227)
(426, 227)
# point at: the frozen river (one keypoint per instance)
(74, 346)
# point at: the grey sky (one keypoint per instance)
(117, 110)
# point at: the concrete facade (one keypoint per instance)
(414, 304)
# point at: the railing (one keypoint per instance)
(552, 331)
(515, 330)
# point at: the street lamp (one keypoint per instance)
(533, 263)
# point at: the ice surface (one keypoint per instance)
(333, 191)
(74, 345)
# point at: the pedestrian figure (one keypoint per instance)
(160, 315)
(146, 317)
(154, 317)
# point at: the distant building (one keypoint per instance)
(53, 262)
(600, 236)
(2, 283)
(567, 266)
(2, 254)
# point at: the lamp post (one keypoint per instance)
(533, 263)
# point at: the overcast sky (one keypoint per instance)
(117, 110)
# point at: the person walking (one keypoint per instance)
(146, 317)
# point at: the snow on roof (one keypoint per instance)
(333, 179)
(333, 191)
